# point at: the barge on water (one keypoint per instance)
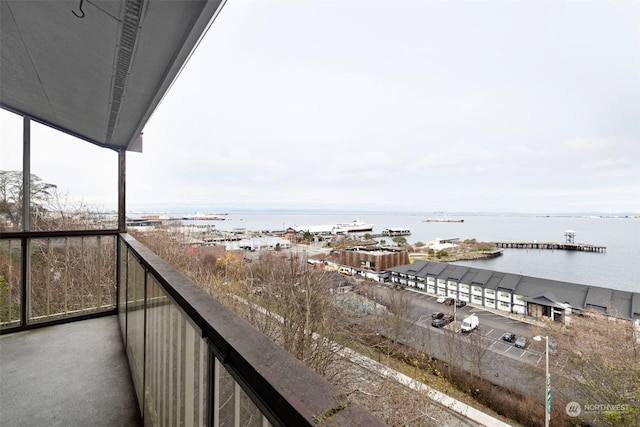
(443, 220)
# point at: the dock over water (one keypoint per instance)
(583, 247)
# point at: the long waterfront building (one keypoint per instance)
(515, 293)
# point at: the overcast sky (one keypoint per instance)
(421, 106)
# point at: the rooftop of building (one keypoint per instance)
(584, 297)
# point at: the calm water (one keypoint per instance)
(618, 268)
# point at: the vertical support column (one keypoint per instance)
(122, 172)
(26, 172)
(26, 201)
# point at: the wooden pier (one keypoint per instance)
(583, 247)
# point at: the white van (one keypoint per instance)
(470, 323)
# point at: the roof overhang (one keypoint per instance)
(96, 69)
(546, 300)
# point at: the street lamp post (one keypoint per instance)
(547, 413)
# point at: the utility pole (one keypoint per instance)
(547, 414)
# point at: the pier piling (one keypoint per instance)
(583, 247)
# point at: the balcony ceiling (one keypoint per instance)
(96, 69)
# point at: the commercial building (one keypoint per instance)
(376, 259)
(515, 293)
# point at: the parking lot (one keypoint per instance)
(491, 327)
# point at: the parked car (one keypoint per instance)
(443, 321)
(509, 337)
(521, 342)
(437, 315)
(440, 300)
(460, 303)
(449, 301)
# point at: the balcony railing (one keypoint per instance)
(48, 277)
(192, 360)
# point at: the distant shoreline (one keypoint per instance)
(425, 214)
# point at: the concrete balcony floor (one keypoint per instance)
(76, 374)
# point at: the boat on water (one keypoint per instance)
(354, 226)
(443, 220)
(204, 217)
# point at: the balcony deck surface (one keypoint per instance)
(75, 374)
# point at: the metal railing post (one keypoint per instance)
(25, 286)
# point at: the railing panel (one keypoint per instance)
(70, 276)
(249, 414)
(232, 406)
(123, 254)
(204, 365)
(10, 289)
(176, 364)
(135, 323)
(223, 389)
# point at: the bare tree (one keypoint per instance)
(11, 196)
(72, 274)
(395, 403)
(477, 349)
(595, 361)
(452, 348)
(301, 295)
(9, 306)
(400, 319)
